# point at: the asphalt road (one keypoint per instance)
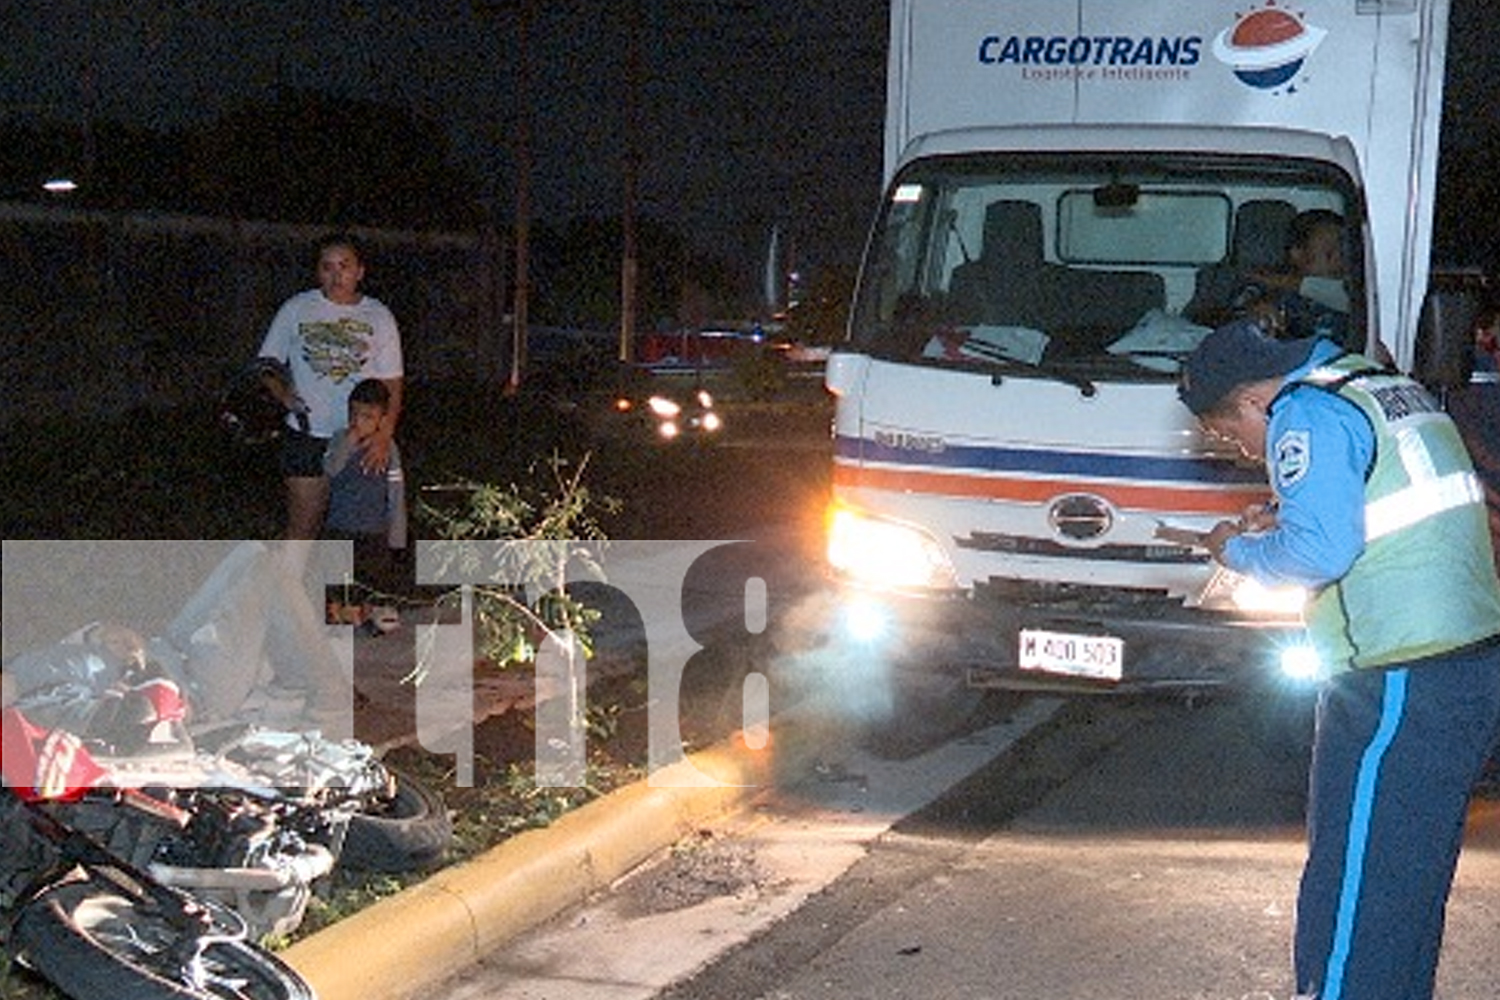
(1085, 849)
(1092, 848)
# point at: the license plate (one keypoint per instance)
(1100, 657)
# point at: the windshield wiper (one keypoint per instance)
(1085, 386)
(1056, 373)
(995, 355)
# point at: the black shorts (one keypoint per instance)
(301, 454)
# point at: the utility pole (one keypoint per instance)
(629, 266)
(519, 328)
(520, 143)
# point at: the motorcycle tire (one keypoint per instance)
(407, 832)
(92, 937)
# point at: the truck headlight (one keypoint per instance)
(1301, 663)
(885, 553)
(1228, 588)
(1254, 596)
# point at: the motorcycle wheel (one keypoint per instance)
(406, 832)
(101, 938)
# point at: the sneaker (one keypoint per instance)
(383, 617)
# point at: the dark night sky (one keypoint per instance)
(754, 111)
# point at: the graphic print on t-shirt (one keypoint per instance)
(336, 349)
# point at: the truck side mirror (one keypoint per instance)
(1445, 339)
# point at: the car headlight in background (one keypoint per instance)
(884, 553)
(663, 407)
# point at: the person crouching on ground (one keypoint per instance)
(367, 505)
(1379, 515)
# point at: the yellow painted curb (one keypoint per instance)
(404, 945)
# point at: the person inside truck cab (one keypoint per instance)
(1306, 297)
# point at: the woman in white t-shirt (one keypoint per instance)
(329, 338)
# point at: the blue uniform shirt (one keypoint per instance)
(1319, 448)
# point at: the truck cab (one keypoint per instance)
(1076, 194)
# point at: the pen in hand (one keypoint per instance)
(1255, 518)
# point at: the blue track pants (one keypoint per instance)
(1395, 758)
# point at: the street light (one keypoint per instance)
(32, 190)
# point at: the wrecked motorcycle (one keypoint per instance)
(250, 818)
(98, 926)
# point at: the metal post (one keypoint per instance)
(629, 266)
(521, 305)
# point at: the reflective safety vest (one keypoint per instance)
(1425, 583)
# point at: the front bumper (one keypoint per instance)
(1166, 645)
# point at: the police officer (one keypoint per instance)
(1378, 513)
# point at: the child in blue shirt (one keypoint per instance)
(364, 505)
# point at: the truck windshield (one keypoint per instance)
(1107, 270)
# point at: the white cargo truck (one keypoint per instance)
(1076, 191)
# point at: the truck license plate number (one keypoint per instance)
(1101, 657)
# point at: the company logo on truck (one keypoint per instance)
(903, 441)
(1267, 47)
(1115, 51)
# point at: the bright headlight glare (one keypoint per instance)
(663, 407)
(880, 552)
(705, 400)
(711, 422)
(864, 621)
(1301, 663)
(1253, 596)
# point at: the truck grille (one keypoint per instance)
(1074, 597)
(989, 541)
